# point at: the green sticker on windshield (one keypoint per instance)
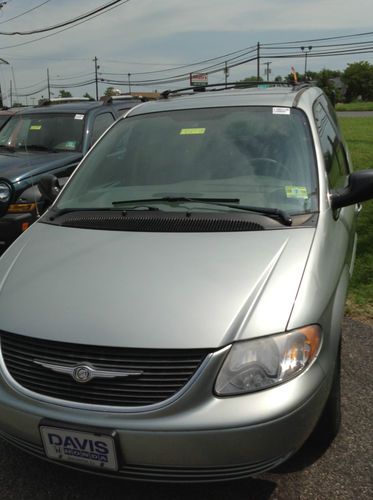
(35, 127)
(298, 192)
(192, 131)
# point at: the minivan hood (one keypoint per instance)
(18, 166)
(151, 290)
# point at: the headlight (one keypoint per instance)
(253, 365)
(5, 192)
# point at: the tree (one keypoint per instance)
(359, 80)
(250, 80)
(88, 96)
(111, 91)
(65, 93)
(324, 80)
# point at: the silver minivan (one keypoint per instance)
(176, 314)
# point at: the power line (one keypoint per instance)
(320, 39)
(67, 23)
(71, 77)
(32, 85)
(65, 29)
(240, 57)
(195, 63)
(25, 12)
(288, 47)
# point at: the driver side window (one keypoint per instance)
(334, 155)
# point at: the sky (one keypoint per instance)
(147, 35)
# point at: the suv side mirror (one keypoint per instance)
(49, 188)
(360, 188)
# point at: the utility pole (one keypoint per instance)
(2, 61)
(267, 71)
(226, 73)
(96, 79)
(11, 93)
(258, 61)
(14, 80)
(129, 83)
(49, 87)
(306, 52)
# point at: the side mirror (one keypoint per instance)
(360, 188)
(49, 188)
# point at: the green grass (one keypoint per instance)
(358, 133)
(355, 106)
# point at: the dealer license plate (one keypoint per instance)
(82, 448)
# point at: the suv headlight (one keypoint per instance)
(257, 364)
(5, 192)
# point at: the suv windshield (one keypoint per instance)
(43, 132)
(259, 156)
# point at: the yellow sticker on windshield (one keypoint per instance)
(192, 131)
(299, 192)
(35, 127)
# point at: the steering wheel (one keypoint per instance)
(266, 166)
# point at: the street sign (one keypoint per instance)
(198, 79)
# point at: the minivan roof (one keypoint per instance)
(272, 96)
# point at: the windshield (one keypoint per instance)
(44, 132)
(257, 156)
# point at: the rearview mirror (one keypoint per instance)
(359, 189)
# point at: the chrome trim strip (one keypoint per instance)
(89, 371)
(106, 408)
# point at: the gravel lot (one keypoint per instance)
(344, 471)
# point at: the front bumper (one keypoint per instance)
(196, 438)
(12, 226)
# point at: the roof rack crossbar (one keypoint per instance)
(233, 85)
(107, 99)
(62, 100)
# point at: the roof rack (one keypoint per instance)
(106, 99)
(62, 100)
(234, 85)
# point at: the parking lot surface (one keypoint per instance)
(344, 471)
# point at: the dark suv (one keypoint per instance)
(50, 138)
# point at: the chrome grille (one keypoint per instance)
(165, 371)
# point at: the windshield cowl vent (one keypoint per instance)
(162, 224)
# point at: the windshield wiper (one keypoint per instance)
(57, 212)
(277, 213)
(177, 199)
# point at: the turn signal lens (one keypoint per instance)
(257, 364)
(21, 208)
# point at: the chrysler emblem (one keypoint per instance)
(84, 373)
